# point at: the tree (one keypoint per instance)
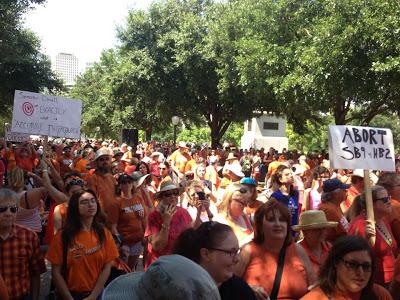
(188, 63)
(323, 56)
(22, 66)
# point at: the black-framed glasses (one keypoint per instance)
(383, 199)
(354, 265)
(13, 209)
(232, 253)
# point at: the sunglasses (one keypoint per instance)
(383, 199)
(13, 209)
(353, 265)
(169, 194)
(242, 190)
(162, 168)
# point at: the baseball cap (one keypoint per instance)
(333, 184)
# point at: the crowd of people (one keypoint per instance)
(203, 223)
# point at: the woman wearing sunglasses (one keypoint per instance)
(385, 248)
(166, 222)
(214, 246)
(348, 273)
(231, 212)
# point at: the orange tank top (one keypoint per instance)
(262, 268)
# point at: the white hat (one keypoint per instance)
(138, 178)
(298, 169)
(103, 152)
(235, 169)
(183, 145)
(360, 173)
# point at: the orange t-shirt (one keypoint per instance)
(351, 194)
(179, 160)
(317, 294)
(124, 213)
(262, 268)
(334, 213)
(3, 290)
(85, 259)
(104, 187)
(316, 263)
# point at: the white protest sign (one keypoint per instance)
(35, 113)
(15, 136)
(356, 147)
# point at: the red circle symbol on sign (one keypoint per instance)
(27, 108)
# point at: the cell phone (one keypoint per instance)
(201, 195)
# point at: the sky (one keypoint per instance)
(81, 27)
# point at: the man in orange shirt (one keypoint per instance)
(334, 193)
(102, 182)
(179, 159)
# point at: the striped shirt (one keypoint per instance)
(20, 258)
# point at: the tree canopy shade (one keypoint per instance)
(324, 55)
(22, 66)
(220, 62)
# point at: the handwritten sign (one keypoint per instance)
(35, 113)
(15, 136)
(356, 147)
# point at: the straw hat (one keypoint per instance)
(313, 219)
(138, 178)
(167, 186)
(183, 145)
(231, 156)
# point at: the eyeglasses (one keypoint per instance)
(353, 265)
(232, 253)
(162, 168)
(383, 199)
(169, 194)
(87, 201)
(242, 190)
(13, 209)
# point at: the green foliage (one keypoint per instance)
(22, 66)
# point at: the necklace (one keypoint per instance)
(387, 237)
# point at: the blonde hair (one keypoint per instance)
(223, 207)
(16, 179)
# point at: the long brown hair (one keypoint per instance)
(262, 212)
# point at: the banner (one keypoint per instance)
(14, 136)
(356, 147)
(39, 114)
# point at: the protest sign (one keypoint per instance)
(356, 147)
(15, 136)
(35, 113)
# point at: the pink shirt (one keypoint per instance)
(181, 220)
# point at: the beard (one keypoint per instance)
(103, 170)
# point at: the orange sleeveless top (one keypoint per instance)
(262, 268)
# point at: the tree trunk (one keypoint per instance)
(218, 129)
(340, 111)
(148, 132)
